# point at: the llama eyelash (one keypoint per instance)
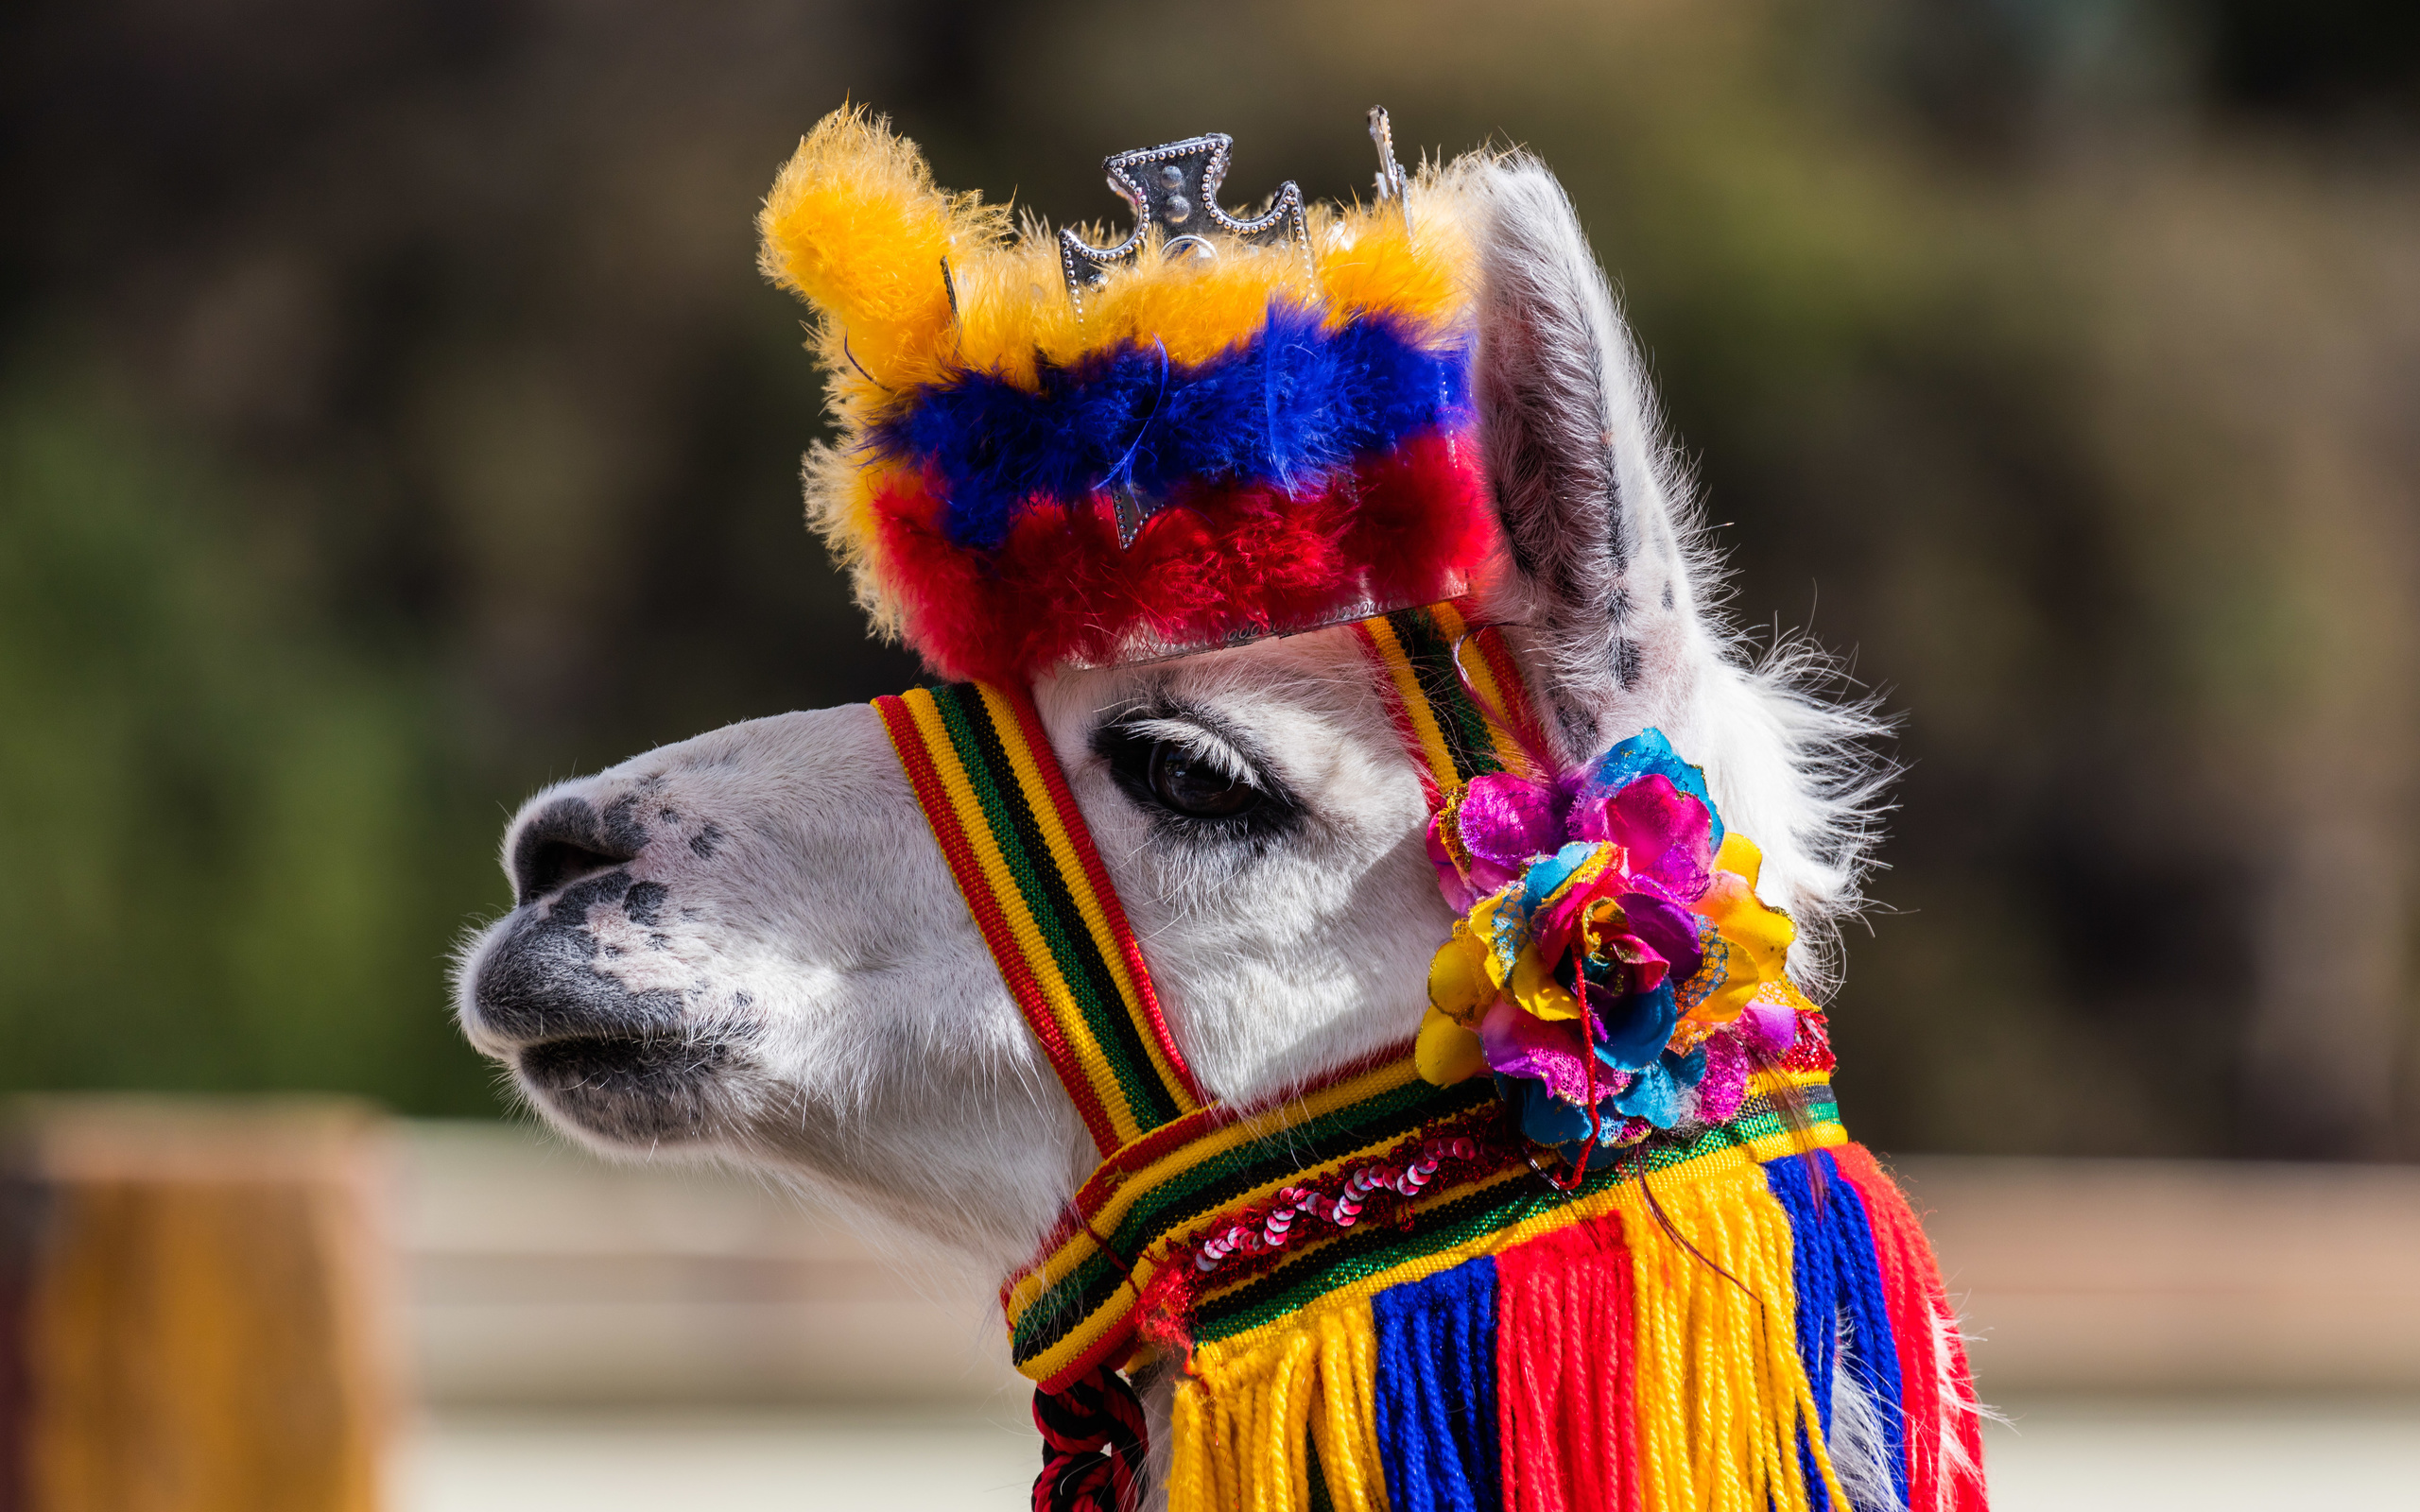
(1128, 742)
(1204, 743)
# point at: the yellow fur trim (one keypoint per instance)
(839, 506)
(854, 226)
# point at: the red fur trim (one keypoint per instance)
(1407, 527)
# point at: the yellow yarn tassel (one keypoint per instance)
(1245, 1420)
(1720, 1396)
(1720, 1389)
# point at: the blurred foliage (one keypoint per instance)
(392, 421)
(222, 870)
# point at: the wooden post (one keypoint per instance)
(196, 1308)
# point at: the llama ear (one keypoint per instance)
(854, 226)
(1592, 504)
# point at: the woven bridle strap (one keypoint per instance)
(992, 791)
(1455, 695)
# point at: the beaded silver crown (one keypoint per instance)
(1174, 192)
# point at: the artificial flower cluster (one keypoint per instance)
(1614, 968)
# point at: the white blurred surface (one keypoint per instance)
(490, 1460)
(542, 1275)
(2206, 1454)
(2062, 1454)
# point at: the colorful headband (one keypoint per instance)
(1055, 454)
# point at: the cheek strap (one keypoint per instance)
(992, 789)
(1455, 696)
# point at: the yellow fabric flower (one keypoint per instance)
(1447, 1052)
(1755, 941)
(1459, 985)
(1535, 989)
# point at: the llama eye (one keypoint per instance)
(1194, 787)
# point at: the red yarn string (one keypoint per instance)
(1588, 1061)
(1566, 1360)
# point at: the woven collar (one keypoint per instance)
(1225, 1221)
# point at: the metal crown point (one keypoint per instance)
(1174, 188)
(1174, 191)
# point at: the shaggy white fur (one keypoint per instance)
(747, 945)
(1860, 1445)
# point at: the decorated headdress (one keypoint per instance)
(1054, 453)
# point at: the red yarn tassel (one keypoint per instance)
(1566, 1391)
(1937, 1389)
(1093, 1446)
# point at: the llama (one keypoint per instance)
(760, 945)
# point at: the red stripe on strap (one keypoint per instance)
(1518, 710)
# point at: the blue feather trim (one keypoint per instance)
(1286, 408)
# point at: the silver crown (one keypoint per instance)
(1174, 192)
(1391, 178)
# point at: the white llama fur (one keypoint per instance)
(1956, 1463)
(1859, 1444)
(748, 946)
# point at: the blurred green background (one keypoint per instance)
(392, 421)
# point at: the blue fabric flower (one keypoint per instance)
(1544, 875)
(1656, 1095)
(1634, 1030)
(1543, 1116)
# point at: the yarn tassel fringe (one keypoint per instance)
(1648, 1359)
(1290, 1426)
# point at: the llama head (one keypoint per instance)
(749, 945)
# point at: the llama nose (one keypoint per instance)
(570, 838)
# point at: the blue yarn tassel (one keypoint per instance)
(1436, 1391)
(1837, 1277)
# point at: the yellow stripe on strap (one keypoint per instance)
(1415, 719)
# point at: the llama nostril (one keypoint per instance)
(557, 862)
(567, 840)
